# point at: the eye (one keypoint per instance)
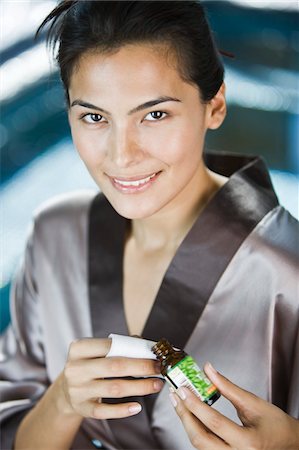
(91, 118)
(156, 116)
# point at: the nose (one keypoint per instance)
(124, 149)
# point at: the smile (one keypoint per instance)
(134, 184)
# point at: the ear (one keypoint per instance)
(216, 109)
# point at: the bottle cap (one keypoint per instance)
(131, 347)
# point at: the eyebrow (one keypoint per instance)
(145, 105)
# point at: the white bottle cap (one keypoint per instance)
(131, 347)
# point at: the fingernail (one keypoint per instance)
(172, 390)
(182, 392)
(211, 368)
(173, 400)
(135, 409)
(158, 385)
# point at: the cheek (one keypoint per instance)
(89, 146)
(173, 144)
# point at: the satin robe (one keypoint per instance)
(230, 296)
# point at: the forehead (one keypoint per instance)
(139, 69)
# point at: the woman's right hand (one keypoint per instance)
(88, 377)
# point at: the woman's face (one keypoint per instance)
(139, 128)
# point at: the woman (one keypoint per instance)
(191, 247)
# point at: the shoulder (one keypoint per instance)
(273, 249)
(64, 205)
(65, 215)
(279, 230)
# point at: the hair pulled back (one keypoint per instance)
(82, 26)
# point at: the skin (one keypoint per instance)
(127, 145)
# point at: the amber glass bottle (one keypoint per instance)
(180, 369)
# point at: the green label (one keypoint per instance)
(187, 373)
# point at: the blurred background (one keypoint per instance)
(37, 156)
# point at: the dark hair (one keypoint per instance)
(82, 26)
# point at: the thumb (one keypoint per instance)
(245, 402)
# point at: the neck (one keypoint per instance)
(166, 229)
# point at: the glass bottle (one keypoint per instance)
(179, 369)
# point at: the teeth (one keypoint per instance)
(134, 183)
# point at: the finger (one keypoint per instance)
(247, 404)
(198, 434)
(79, 371)
(102, 411)
(117, 388)
(220, 425)
(89, 348)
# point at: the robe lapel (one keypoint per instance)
(106, 242)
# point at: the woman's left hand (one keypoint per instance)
(264, 425)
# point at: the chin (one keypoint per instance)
(133, 213)
(134, 210)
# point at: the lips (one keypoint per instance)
(134, 184)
